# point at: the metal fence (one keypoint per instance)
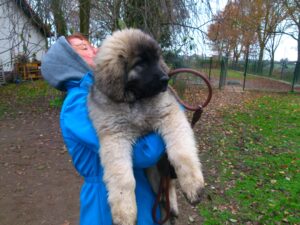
(224, 73)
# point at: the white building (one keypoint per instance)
(21, 33)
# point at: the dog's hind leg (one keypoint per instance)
(173, 201)
(154, 176)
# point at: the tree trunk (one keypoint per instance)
(236, 57)
(246, 66)
(260, 60)
(84, 14)
(297, 71)
(133, 14)
(297, 67)
(116, 15)
(59, 19)
(271, 65)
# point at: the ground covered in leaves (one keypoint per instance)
(253, 162)
(249, 146)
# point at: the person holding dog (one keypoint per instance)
(68, 66)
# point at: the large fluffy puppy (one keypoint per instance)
(129, 99)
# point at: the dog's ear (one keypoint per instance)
(110, 81)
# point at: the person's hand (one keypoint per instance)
(84, 49)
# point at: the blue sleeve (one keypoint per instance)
(78, 131)
(148, 150)
(75, 123)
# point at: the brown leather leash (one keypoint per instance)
(163, 191)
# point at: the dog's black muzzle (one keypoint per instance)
(147, 82)
(164, 82)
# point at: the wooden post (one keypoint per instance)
(210, 65)
(245, 71)
(223, 72)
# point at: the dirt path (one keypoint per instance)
(39, 185)
(38, 182)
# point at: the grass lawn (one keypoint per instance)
(231, 74)
(239, 75)
(257, 155)
(35, 95)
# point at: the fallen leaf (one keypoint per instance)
(233, 220)
(191, 219)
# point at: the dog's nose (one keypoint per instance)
(164, 80)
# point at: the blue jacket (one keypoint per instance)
(83, 144)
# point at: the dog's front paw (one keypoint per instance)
(124, 213)
(124, 221)
(195, 196)
(124, 218)
(193, 187)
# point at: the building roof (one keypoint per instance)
(36, 20)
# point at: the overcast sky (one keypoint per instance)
(287, 49)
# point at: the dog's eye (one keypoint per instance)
(139, 62)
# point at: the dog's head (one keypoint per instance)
(129, 67)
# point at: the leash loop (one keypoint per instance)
(163, 192)
(198, 74)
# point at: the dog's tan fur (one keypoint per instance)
(119, 121)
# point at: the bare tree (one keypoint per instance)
(272, 46)
(268, 14)
(293, 11)
(174, 23)
(84, 8)
(59, 19)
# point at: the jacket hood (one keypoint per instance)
(61, 64)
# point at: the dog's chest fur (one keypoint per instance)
(135, 119)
